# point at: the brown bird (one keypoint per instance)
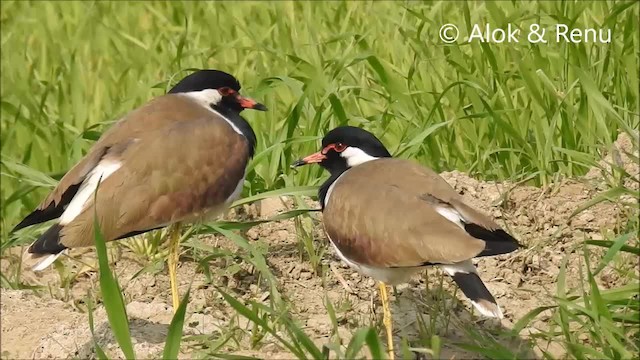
(389, 218)
(179, 158)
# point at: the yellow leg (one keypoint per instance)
(174, 253)
(388, 323)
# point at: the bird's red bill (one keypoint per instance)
(314, 158)
(248, 103)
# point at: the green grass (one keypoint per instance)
(114, 304)
(510, 111)
(530, 113)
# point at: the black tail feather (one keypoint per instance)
(473, 288)
(498, 241)
(48, 242)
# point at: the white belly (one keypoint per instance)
(389, 276)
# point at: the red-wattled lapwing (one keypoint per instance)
(388, 218)
(179, 158)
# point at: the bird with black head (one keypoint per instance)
(180, 157)
(388, 218)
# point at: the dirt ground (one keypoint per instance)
(50, 323)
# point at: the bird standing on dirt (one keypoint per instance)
(179, 158)
(389, 218)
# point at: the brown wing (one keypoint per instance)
(173, 108)
(176, 173)
(383, 213)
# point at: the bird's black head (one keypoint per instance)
(218, 88)
(345, 147)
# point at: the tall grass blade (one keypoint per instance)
(295, 190)
(174, 336)
(112, 294)
(253, 317)
(614, 249)
(101, 354)
(365, 336)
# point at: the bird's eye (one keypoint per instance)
(225, 91)
(337, 147)
(340, 147)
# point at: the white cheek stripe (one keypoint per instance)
(355, 156)
(204, 97)
(208, 97)
(102, 171)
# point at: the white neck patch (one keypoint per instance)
(330, 190)
(207, 98)
(355, 156)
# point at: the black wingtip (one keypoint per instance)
(51, 212)
(497, 241)
(39, 216)
(31, 219)
(48, 242)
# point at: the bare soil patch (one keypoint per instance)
(50, 324)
